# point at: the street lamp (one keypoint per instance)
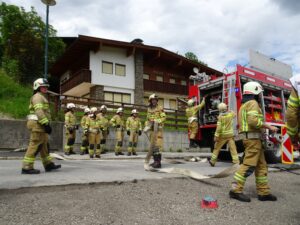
(47, 3)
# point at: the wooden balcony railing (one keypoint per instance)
(83, 75)
(156, 86)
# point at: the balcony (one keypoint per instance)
(80, 77)
(156, 86)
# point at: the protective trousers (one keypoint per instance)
(84, 143)
(70, 140)
(104, 135)
(193, 129)
(254, 161)
(156, 144)
(119, 139)
(38, 143)
(218, 145)
(133, 138)
(94, 139)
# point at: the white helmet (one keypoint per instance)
(153, 96)
(87, 110)
(119, 110)
(41, 82)
(253, 88)
(103, 107)
(191, 102)
(134, 111)
(222, 107)
(70, 105)
(94, 109)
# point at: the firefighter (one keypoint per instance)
(191, 114)
(92, 128)
(293, 110)
(154, 123)
(84, 137)
(250, 119)
(134, 129)
(39, 126)
(118, 122)
(70, 125)
(104, 126)
(224, 134)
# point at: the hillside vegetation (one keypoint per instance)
(14, 98)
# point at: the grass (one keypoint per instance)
(14, 98)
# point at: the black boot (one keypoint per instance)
(51, 166)
(239, 196)
(81, 153)
(121, 153)
(98, 156)
(30, 171)
(134, 153)
(129, 153)
(157, 159)
(193, 143)
(268, 197)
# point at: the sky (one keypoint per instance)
(219, 32)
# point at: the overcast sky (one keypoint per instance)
(219, 32)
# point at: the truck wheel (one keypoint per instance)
(273, 156)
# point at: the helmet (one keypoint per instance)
(222, 107)
(87, 110)
(253, 88)
(153, 96)
(134, 111)
(119, 110)
(94, 109)
(70, 105)
(41, 82)
(103, 107)
(191, 102)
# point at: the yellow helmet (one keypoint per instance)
(222, 107)
(41, 82)
(253, 88)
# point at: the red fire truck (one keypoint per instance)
(228, 89)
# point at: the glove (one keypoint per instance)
(70, 129)
(128, 132)
(85, 131)
(140, 132)
(118, 126)
(101, 128)
(47, 128)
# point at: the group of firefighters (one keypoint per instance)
(96, 129)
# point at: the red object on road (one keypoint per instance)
(209, 202)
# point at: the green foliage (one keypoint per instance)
(22, 43)
(193, 57)
(14, 98)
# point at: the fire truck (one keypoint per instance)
(228, 89)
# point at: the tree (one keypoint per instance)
(193, 57)
(22, 43)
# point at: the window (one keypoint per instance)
(172, 104)
(107, 67)
(172, 81)
(183, 82)
(117, 97)
(120, 70)
(146, 76)
(159, 78)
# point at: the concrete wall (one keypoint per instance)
(14, 134)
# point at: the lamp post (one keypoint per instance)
(47, 3)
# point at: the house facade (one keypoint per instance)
(126, 72)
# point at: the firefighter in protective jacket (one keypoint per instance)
(134, 129)
(191, 114)
(39, 126)
(84, 137)
(224, 134)
(118, 122)
(293, 110)
(70, 125)
(154, 123)
(250, 119)
(104, 126)
(92, 128)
